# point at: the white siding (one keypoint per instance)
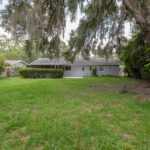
(76, 71)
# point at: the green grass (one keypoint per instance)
(72, 114)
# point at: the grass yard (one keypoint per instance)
(74, 114)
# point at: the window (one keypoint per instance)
(90, 68)
(83, 68)
(101, 68)
(67, 67)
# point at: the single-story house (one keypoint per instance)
(16, 63)
(80, 67)
(12, 67)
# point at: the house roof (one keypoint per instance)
(13, 62)
(62, 61)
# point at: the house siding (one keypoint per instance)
(76, 71)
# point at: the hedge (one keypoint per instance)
(41, 73)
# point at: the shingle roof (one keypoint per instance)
(61, 61)
(12, 62)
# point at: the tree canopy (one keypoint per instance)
(43, 22)
(103, 25)
(135, 55)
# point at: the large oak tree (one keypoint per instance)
(43, 22)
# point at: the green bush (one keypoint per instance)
(16, 71)
(41, 73)
(94, 71)
(146, 72)
(2, 64)
(135, 55)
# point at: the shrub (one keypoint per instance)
(16, 71)
(94, 71)
(146, 72)
(41, 73)
(2, 64)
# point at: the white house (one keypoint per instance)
(12, 67)
(81, 67)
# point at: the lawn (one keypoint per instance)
(74, 114)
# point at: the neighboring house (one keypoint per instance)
(13, 67)
(80, 68)
(16, 63)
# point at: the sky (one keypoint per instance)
(69, 25)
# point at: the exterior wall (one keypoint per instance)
(8, 72)
(76, 71)
(109, 70)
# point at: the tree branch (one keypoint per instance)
(137, 13)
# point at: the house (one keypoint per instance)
(81, 67)
(16, 63)
(12, 67)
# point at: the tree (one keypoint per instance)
(102, 27)
(141, 12)
(40, 22)
(135, 56)
(6, 43)
(43, 22)
(2, 64)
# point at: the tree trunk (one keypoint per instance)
(139, 15)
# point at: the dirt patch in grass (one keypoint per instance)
(25, 138)
(101, 87)
(127, 136)
(35, 114)
(86, 93)
(39, 148)
(133, 121)
(109, 115)
(140, 88)
(114, 105)
(89, 108)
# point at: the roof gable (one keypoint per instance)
(13, 62)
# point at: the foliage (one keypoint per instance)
(135, 55)
(101, 30)
(41, 22)
(16, 70)
(2, 64)
(63, 49)
(94, 71)
(13, 50)
(41, 73)
(5, 43)
(146, 71)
